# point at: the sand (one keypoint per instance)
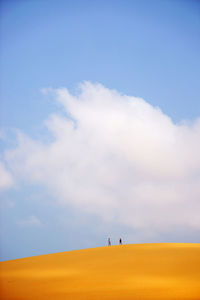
(140, 271)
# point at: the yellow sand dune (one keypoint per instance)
(141, 271)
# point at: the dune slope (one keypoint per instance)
(141, 271)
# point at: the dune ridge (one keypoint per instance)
(135, 271)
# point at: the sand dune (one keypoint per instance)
(141, 271)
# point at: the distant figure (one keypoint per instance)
(120, 241)
(109, 242)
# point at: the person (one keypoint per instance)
(109, 242)
(120, 241)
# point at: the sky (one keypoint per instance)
(100, 124)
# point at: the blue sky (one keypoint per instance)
(146, 49)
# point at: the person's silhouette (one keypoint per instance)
(109, 242)
(120, 241)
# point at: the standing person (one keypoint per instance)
(109, 242)
(120, 241)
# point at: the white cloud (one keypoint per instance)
(118, 157)
(6, 180)
(31, 221)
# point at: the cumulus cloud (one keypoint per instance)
(31, 221)
(118, 157)
(6, 180)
